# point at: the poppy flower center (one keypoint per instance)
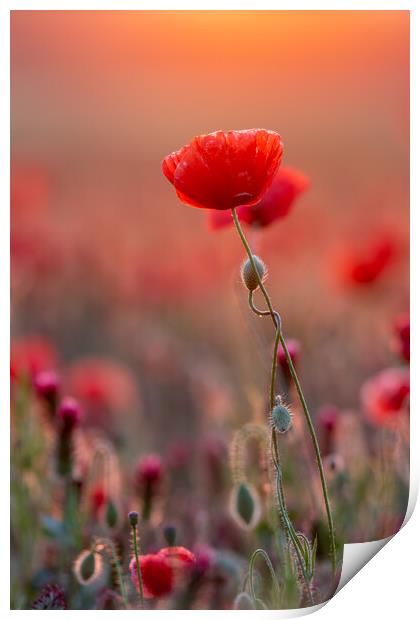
(241, 198)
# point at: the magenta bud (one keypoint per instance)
(293, 346)
(69, 412)
(47, 384)
(328, 417)
(149, 469)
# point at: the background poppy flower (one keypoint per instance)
(275, 204)
(223, 170)
(102, 383)
(401, 341)
(163, 570)
(364, 265)
(32, 355)
(385, 396)
(157, 575)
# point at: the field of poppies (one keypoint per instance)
(211, 334)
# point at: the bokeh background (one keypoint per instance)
(106, 263)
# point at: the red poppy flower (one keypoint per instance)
(180, 557)
(157, 575)
(102, 384)
(401, 342)
(275, 204)
(32, 355)
(385, 396)
(162, 571)
(364, 265)
(223, 170)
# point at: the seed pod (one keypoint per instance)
(281, 418)
(248, 275)
(245, 506)
(88, 567)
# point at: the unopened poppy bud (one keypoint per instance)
(169, 533)
(149, 469)
(111, 514)
(281, 418)
(47, 385)
(248, 275)
(69, 412)
(133, 518)
(245, 506)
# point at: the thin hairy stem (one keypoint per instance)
(138, 570)
(279, 338)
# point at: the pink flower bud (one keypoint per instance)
(293, 346)
(69, 412)
(327, 418)
(149, 469)
(47, 385)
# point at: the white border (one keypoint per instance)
(388, 585)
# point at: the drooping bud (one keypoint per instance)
(245, 506)
(281, 418)
(248, 275)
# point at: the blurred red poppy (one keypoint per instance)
(223, 170)
(275, 204)
(32, 355)
(162, 571)
(385, 396)
(401, 342)
(102, 384)
(364, 265)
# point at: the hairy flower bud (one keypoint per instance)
(281, 418)
(248, 275)
(133, 518)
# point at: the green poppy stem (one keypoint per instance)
(280, 339)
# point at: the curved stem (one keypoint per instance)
(280, 338)
(270, 568)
